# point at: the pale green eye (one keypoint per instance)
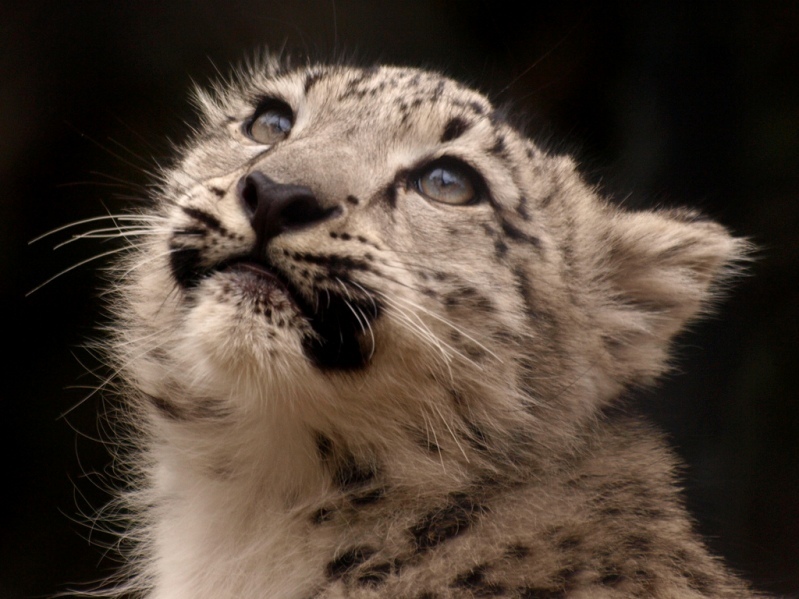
(271, 124)
(448, 184)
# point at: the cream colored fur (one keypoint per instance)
(471, 451)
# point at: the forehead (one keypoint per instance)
(393, 95)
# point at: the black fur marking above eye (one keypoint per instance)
(499, 145)
(218, 192)
(351, 199)
(446, 523)
(348, 561)
(312, 79)
(454, 129)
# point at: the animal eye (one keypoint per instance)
(271, 123)
(449, 183)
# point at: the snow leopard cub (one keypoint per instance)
(370, 340)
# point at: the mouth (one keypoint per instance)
(340, 338)
(261, 282)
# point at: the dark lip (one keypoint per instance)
(266, 276)
(255, 268)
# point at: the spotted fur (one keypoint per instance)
(348, 385)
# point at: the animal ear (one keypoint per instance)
(659, 270)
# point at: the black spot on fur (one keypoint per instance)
(311, 79)
(322, 515)
(353, 200)
(390, 195)
(639, 544)
(348, 561)
(521, 208)
(469, 296)
(166, 408)
(500, 249)
(186, 265)
(569, 543)
(446, 523)
(209, 220)
(217, 191)
(324, 446)
(454, 129)
(517, 551)
(351, 474)
(375, 575)
(517, 235)
(612, 579)
(338, 323)
(499, 145)
(539, 593)
(566, 575)
(474, 581)
(476, 437)
(368, 497)
(347, 472)
(701, 583)
(477, 107)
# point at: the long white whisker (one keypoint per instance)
(77, 223)
(421, 323)
(78, 265)
(448, 323)
(110, 233)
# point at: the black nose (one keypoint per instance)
(275, 208)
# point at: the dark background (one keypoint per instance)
(683, 102)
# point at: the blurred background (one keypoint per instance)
(678, 103)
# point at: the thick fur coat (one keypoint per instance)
(370, 338)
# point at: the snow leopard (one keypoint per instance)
(372, 341)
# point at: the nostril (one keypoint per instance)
(304, 209)
(248, 192)
(274, 208)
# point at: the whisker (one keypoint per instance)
(74, 266)
(85, 221)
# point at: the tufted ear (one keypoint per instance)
(658, 271)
